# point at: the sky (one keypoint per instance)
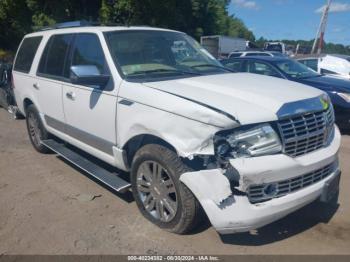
(294, 19)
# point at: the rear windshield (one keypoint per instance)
(26, 54)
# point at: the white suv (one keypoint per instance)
(245, 149)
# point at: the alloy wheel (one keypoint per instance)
(156, 190)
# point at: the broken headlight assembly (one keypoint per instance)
(249, 141)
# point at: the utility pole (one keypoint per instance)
(321, 30)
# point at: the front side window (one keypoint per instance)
(52, 62)
(155, 54)
(88, 51)
(26, 54)
(295, 69)
(261, 69)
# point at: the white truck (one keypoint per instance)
(221, 46)
(192, 136)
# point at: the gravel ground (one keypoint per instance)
(49, 207)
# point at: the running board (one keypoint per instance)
(110, 179)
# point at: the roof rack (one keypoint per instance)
(70, 24)
(82, 23)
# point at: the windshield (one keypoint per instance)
(295, 69)
(155, 54)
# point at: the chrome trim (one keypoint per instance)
(300, 107)
(305, 133)
(89, 139)
(256, 194)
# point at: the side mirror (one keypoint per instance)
(88, 75)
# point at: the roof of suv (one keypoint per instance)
(80, 29)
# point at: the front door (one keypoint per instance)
(90, 112)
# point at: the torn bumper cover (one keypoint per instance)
(231, 213)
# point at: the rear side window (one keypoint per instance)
(52, 62)
(262, 69)
(26, 54)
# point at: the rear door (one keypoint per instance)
(51, 75)
(22, 79)
(90, 112)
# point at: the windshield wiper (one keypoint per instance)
(211, 65)
(161, 70)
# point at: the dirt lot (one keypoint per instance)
(48, 207)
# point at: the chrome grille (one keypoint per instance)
(256, 193)
(305, 133)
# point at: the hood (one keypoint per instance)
(249, 98)
(328, 83)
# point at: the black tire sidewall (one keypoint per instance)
(172, 171)
(44, 134)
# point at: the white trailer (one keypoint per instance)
(221, 46)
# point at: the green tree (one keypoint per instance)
(15, 21)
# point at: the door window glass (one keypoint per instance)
(26, 54)
(261, 69)
(53, 59)
(88, 51)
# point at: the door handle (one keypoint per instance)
(70, 95)
(36, 86)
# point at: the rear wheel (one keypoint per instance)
(158, 192)
(36, 130)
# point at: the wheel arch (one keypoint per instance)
(138, 141)
(27, 102)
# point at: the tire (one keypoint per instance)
(186, 210)
(36, 130)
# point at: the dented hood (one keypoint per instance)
(250, 98)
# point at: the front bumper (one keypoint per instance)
(230, 213)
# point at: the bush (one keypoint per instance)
(6, 56)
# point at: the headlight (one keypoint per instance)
(345, 96)
(256, 141)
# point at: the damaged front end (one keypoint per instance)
(243, 142)
(251, 158)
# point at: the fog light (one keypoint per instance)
(270, 190)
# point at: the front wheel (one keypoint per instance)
(36, 130)
(158, 192)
